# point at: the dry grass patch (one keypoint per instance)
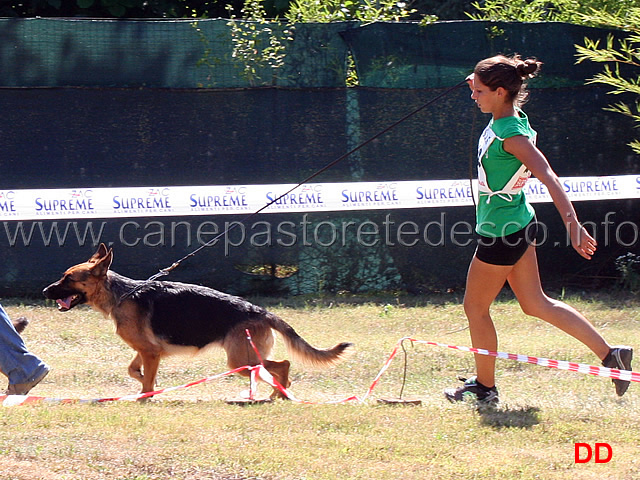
(194, 434)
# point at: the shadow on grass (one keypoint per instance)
(521, 417)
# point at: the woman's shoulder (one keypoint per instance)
(507, 127)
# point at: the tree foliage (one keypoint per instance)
(257, 45)
(568, 11)
(621, 60)
(365, 11)
(315, 10)
(131, 8)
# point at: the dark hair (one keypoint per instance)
(509, 73)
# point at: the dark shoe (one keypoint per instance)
(473, 390)
(23, 388)
(619, 357)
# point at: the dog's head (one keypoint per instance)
(80, 283)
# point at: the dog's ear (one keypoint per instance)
(102, 264)
(100, 253)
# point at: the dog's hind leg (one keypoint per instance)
(135, 368)
(240, 353)
(280, 372)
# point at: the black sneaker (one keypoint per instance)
(619, 357)
(474, 390)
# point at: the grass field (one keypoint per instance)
(194, 434)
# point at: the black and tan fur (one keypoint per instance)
(158, 319)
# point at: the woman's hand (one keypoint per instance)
(582, 241)
(469, 81)
(525, 151)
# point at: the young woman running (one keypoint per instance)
(506, 224)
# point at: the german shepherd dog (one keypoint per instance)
(160, 318)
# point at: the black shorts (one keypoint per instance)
(509, 249)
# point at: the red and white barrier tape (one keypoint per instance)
(261, 372)
(13, 400)
(546, 362)
(543, 362)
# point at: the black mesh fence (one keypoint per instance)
(151, 104)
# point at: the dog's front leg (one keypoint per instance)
(150, 364)
(135, 368)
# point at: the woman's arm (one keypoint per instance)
(525, 151)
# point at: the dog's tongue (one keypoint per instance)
(64, 303)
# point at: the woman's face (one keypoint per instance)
(487, 100)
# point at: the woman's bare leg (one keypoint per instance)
(484, 282)
(524, 280)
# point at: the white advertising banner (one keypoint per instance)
(163, 201)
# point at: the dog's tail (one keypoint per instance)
(303, 351)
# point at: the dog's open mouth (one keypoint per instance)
(68, 303)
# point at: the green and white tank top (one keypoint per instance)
(502, 206)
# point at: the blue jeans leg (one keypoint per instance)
(16, 362)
